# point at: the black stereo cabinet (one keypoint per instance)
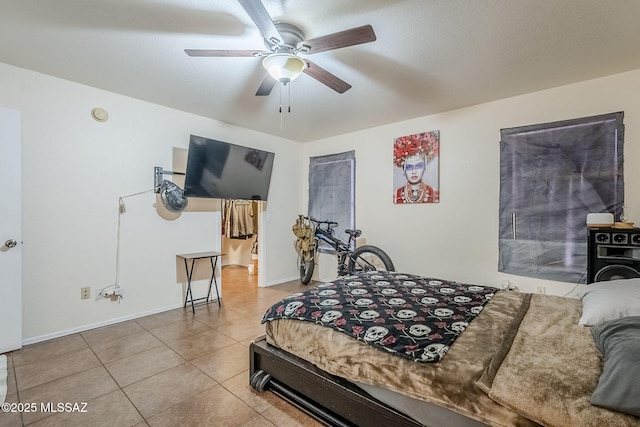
(613, 253)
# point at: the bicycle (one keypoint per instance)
(310, 231)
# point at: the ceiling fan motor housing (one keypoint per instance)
(292, 35)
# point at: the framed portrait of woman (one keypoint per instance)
(416, 174)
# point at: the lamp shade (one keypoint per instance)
(172, 197)
(284, 67)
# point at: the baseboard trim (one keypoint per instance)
(280, 281)
(88, 327)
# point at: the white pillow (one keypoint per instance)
(602, 301)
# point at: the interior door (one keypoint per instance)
(10, 232)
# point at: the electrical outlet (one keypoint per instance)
(85, 293)
(542, 290)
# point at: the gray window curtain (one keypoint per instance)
(551, 176)
(332, 190)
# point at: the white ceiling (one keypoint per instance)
(430, 55)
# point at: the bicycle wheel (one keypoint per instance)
(370, 258)
(306, 268)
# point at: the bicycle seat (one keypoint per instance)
(353, 233)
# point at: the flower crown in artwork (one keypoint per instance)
(425, 144)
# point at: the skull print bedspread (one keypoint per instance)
(411, 316)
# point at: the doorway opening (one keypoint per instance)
(242, 234)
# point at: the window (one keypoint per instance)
(551, 176)
(332, 190)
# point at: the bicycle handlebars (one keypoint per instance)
(317, 221)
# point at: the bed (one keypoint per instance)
(514, 359)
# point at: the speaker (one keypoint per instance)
(613, 253)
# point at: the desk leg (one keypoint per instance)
(189, 293)
(213, 278)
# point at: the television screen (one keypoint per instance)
(220, 170)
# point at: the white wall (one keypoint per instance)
(74, 169)
(238, 251)
(457, 238)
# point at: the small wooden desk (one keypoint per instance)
(213, 258)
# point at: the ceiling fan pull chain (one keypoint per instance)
(289, 96)
(280, 107)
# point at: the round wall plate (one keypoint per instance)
(99, 114)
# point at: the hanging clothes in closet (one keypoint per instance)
(240, 219)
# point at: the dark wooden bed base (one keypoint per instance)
(329, 399)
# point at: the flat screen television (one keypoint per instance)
(220, 170)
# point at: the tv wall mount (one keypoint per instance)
(158, 172)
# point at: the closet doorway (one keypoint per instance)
(242, 231)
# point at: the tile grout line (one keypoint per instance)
(114, 380)
(15, 381)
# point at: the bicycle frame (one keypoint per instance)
(350, 258)
(342, 249)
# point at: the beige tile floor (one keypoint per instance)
(168, 369)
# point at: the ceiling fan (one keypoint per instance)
(285, 42)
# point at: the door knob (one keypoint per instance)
(10, 243)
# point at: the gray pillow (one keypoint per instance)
(619, 384)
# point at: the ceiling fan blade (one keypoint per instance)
(326, 78)
(259, 15)
(341, 39)
(227, 53)
(266, 86)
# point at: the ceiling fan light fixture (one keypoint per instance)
(284, 67)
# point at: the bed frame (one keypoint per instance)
(329, 399)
